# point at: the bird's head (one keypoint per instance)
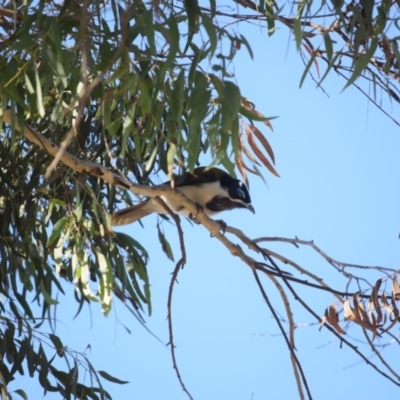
(226, 192)
(237, 191)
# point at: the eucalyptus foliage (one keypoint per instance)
(140, 88)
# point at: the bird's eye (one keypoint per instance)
(240, 192)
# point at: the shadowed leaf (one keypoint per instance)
(111, 378)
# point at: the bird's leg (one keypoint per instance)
(199, 210)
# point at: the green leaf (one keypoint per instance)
(173, 37)
(244, 41)
(298, 33)
(58, 227)
(128, 127)
(193, 13)
(166, 247)
(231, 104)
(211, 32)
(362, 61)
(149, 30)
(305, 72)
(300, 8)
(171, 153)
(28, 84)
(22, 301)
(56, 65)
(235, 133)
(269, 13)
(78, 211)
(328, 46)
(331, 64)
(57, 344)
(21, 393)
(232, 96)
(106, 282)
(110, 378)
(46, 294)
(39, 96)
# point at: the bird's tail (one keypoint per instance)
(131, 214)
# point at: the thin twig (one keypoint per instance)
(174, 277)
(292, 326)
(290, 347)
(340, 337)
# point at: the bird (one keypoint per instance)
(212, 189)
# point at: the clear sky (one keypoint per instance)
(338, 157)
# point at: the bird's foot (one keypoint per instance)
(222, 226)
(199, 210)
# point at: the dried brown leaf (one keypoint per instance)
(392, 315)
(247, 152)
(359, 307)
(387, 307)
(323, 321)
(11, 14)
(242, 170)
(375, 325)
(251, 109)
(263, 141)
(394, 305)
(248, 105)
(242, 149)
(395, 288)
(386, 48)
(258, 153)
(359, 316)
(332, 317)
(349, 313)
(246, 167)
(373, 303)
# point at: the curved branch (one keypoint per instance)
(180, 264)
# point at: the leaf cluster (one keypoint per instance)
(139, 89)
(356, 39)
(379, 314)
(126, 85)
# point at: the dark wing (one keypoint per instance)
(200, 175)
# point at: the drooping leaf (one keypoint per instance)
(111, 378)
(57, 229)
(166, 247)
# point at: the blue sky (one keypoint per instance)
(338, 158)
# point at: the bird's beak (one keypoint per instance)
(251, 208)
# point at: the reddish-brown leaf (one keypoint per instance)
(251, 109)
(247, 168)
(242, 170)
(259, 153)
(247, 152)
(263, 141)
